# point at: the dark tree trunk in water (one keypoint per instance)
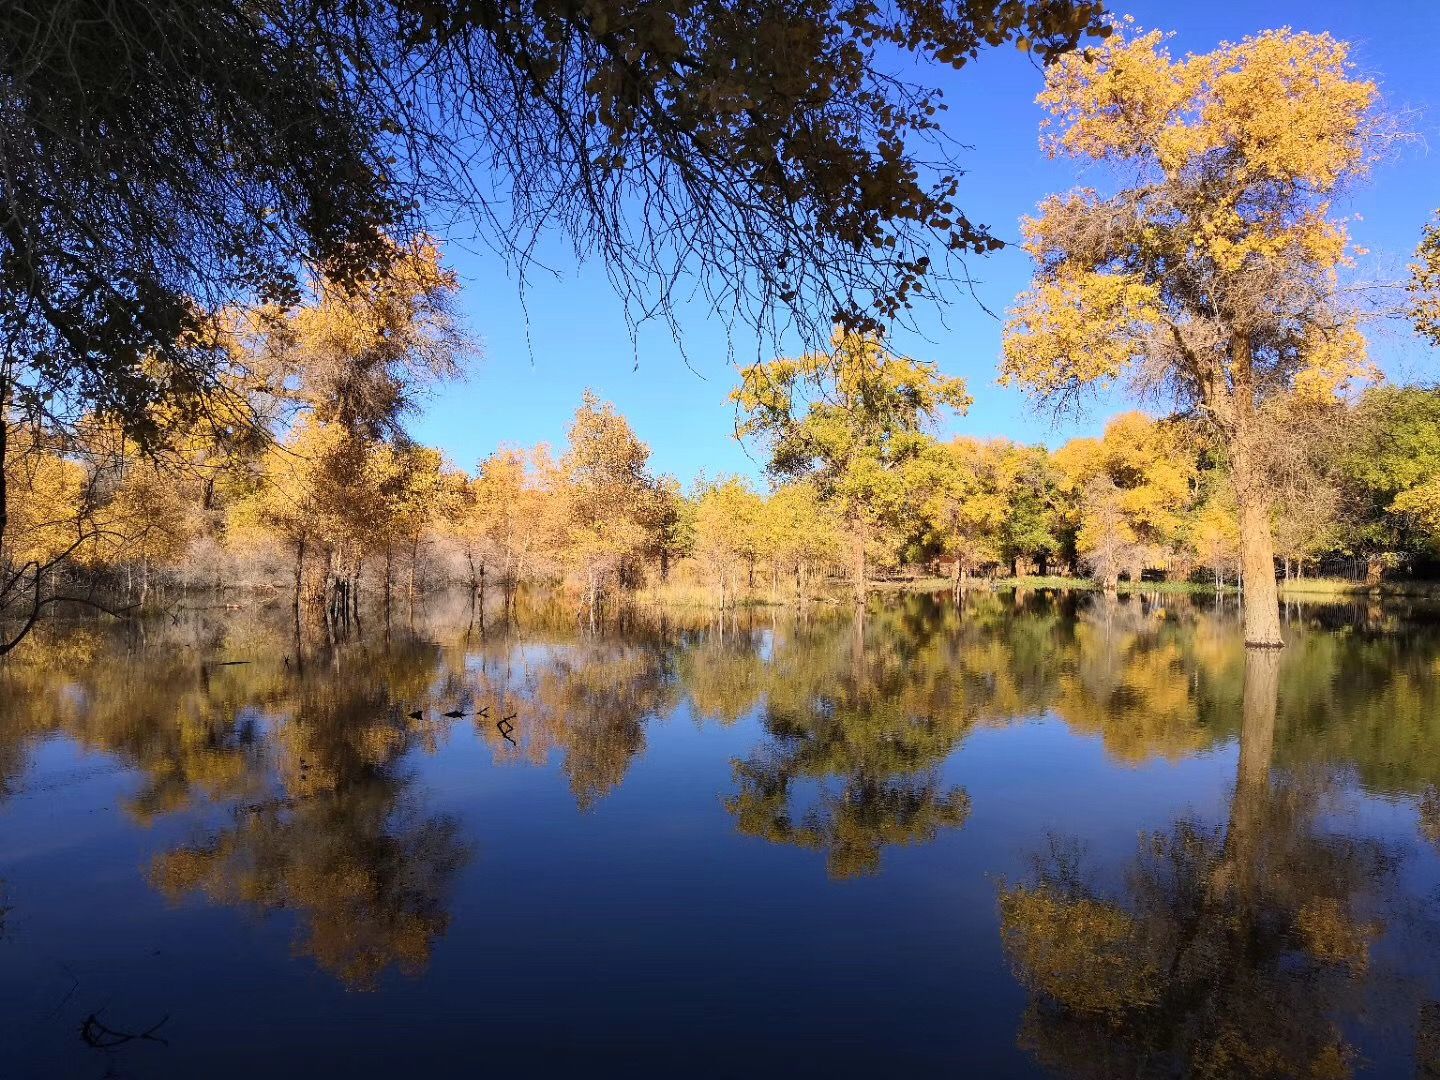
(1261, 597)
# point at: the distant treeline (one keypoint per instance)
(329, 511)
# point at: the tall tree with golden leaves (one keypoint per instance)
(849, 419)
(1211, 275)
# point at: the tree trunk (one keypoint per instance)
(414, 558)
(4, 451)
(1374, 571)
(1261, 596)
(299, 576)
(664, 565)
(858, 569)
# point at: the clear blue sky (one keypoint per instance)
(524, 391)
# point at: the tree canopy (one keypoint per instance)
(1210, 276)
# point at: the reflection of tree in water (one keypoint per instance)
(588, 699)
(306, 751)
(853, 724)
(157, 709)
(345, 844)
(1233, 952)
(1427, 1042)
(367, 872)
(1143, 677)
(852, 823)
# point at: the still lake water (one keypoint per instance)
(1021, 836)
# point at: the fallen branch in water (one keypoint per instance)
(103, 1037)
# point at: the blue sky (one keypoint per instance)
(531, 377)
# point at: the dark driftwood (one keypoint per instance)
(101, 1036)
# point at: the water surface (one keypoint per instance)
(1018, 836)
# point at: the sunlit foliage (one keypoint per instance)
(1210, 276)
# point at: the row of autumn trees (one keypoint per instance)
(341, 501)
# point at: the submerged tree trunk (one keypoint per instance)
(1261, 597)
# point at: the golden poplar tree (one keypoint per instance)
(1210, 273)
(850, 420)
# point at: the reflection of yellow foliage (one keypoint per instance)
(1330, 934)
(1079, 951)
(1430, 815)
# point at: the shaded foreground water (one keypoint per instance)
(1018, 836)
